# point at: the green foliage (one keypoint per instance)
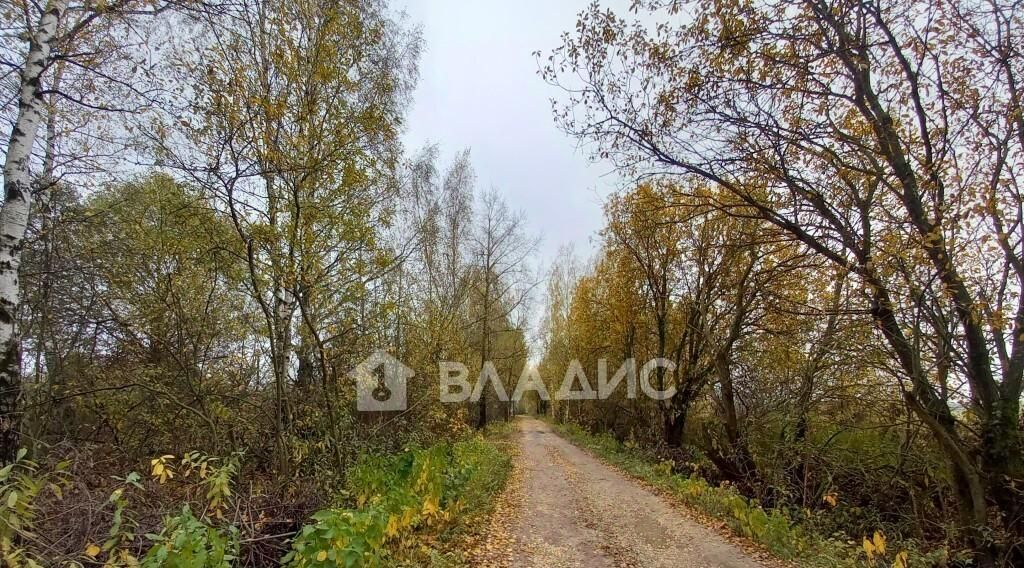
(421, 490)
(121, 534)
(188, 542)
(340, 537)
(477, 472)
(158, 258)
(184, 540)
(20, 484)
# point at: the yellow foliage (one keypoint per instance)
(879, 542)
(162, 470)
(831, 499)
(869, 550)
(874, 546)
(431, 509)
(393, 526)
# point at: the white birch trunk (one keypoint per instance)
(14, 220)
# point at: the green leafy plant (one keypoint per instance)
(184, 540)
(117, 546)
(398, 498)
(20, 484)
(189, 542)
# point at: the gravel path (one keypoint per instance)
(575, 511)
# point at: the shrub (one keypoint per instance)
(188, 542)
(184, 540)
(421, 489)
(20, 484)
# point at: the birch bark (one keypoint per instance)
(14, 219)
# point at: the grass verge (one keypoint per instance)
(774, 529)
(409, 509)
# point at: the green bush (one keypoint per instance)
(396, 498)
(188, 542)
(21, 483)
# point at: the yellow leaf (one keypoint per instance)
(869, 549)
(92, 551)
(901, 560)
(879, 542)
(321, 556)
(392, 529)
(430, 506)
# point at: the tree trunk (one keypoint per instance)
(741, 460)
(14, 221)
(675, 424)
(282, 329)
(485, 339)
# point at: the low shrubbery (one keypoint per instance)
(20, 485)
(190, 542)
(780, 531)
(394, 508)
(184, 541)
(399, 500)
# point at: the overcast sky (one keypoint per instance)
(479, 88)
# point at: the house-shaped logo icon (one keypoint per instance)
(381, 383)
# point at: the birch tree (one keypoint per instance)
(294, 133)
(14, 217)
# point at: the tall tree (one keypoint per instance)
(296, 137)
(67, 55)
(887, 137)
(642, 224)
(502, 282)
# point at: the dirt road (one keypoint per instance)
(574, 511)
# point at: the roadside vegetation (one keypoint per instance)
(209, 221)
(823, 243)
(403, 505)
(403, 509)
(805, 537)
